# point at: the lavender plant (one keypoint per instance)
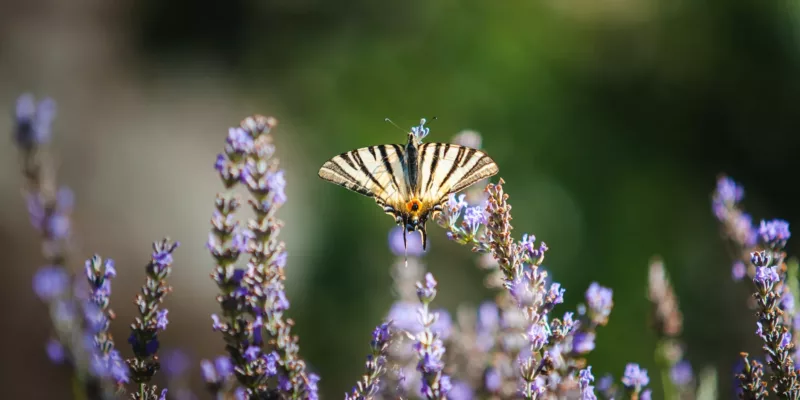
(253, 300)
(106, 361)
(774, 297)
(369, 385)
(667, 321)
(510, 346)
(80, 321)
(152, 319)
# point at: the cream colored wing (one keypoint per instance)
(449, 168)
(375, 171)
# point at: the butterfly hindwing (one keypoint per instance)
(448, 168)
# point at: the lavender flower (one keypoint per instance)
(420, 131)
(106, 360)
(583, 342)
(587, 390)
(635, 378)
(681, 373)
(33, 121)
(772, 329)
(738, 271)
(774, 233)
(429, 346)
(667, 317)
(411, 247)
(404, 316)
(153, 319)
(538, 335)
(751, 380)
(727, 195)
(217, 374)
(253, 301)
(599, 300)
(49, 208)
(175, 362)
(50, 283)
(736, 224)
(369, 384)
(460, 390)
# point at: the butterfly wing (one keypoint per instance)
(375, 171)
(449, 168)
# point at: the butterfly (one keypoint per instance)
(410, 182)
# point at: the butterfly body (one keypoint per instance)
(412, 181)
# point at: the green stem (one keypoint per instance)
(78, 389)
(664, 364)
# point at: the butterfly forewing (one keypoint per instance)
(375, 171)
(448, 168)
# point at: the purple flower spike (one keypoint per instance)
(153, 318)
(774, 233)
(369, 385)
(429, 347)
(253, 299)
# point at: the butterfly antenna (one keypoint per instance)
(395, 125)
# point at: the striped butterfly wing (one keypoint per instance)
(449, 168)
(375, 171)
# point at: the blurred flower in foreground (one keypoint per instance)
(413, 246)
(33, 120)
(429, 346)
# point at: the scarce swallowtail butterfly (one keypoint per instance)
(410, 182)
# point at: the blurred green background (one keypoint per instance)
(609, 119)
